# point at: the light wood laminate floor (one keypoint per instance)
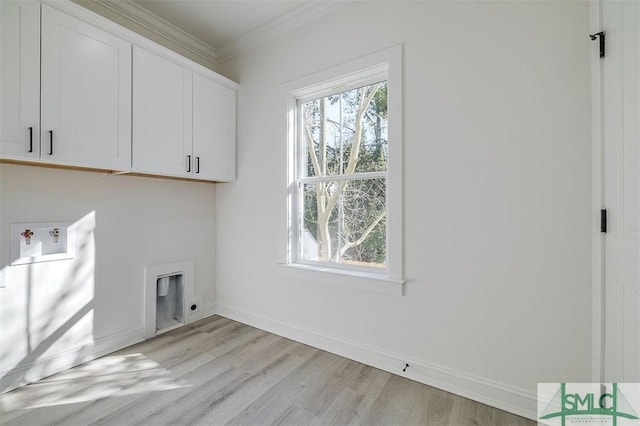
(218, 371)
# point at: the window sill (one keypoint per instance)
(342, 278)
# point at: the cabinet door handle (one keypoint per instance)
(197, 164)
(50, 142)
(30, 139)
(188, 164)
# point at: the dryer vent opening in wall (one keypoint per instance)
(169, 302)
(169, 294)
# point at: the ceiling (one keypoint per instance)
(220, 22)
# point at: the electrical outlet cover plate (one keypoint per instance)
(195, 314)
(44, 245)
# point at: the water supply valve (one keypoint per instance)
(27, 234)
(55, 233)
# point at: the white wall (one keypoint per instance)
(496, 203)
(56, 313)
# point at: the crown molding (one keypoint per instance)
(138, 15)
(151, 22)
(269, 31)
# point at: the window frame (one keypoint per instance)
(385, 65)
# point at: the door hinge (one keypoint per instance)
(600, 36)
(603, 221)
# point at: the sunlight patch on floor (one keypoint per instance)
(110, 376)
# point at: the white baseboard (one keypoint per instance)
(480, 389)
(208, 310)
(47, 365)
(499, 395)
(106, 345)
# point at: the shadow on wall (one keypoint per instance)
(46, 312)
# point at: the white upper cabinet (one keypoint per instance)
(86, 94)
(79, 90)
(162, 115)
(214, 130)
(184, 123)
(19, 79)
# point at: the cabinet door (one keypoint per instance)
(214, 130)
(86, 94)
(19, 79)
(162, 116)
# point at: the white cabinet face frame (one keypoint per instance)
(214, 130)
(86, 94)
(20, 79)
(162, 115)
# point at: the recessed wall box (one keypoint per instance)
(41, 242)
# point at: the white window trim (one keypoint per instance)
(365, 70)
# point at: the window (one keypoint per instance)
(342, 174)
(345, 172)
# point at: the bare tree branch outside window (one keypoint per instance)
(344, 205)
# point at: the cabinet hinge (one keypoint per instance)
(600, 36)
(603, 221)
